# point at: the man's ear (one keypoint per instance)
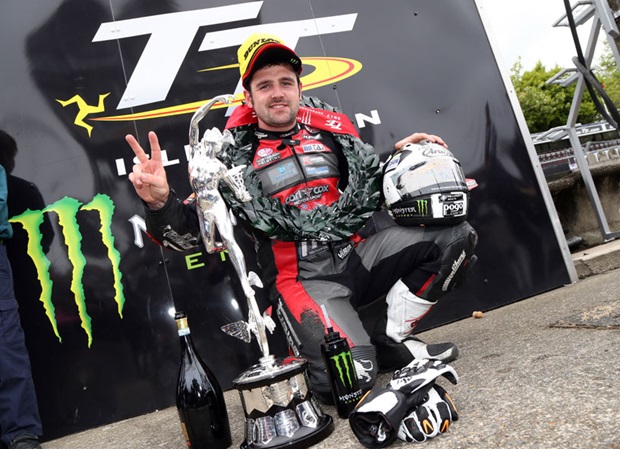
(248, 99)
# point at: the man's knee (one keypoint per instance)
(458, 244)
(306, 343)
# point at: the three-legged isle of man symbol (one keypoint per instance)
(84, 109)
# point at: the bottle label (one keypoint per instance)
(345, 385)
(345, 368)
(183, 332)
(351, 393)
(352, 397)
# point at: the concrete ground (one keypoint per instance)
(541, 373)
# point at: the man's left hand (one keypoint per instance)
(419, 137)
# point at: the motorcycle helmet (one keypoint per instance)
(424, 184)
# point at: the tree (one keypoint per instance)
(545, 105)
(608, 74)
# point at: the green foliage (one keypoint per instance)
(608, 74)
(545, 105)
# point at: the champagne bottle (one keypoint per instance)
(200, 399)
(341, 373)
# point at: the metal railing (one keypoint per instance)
(600, 15)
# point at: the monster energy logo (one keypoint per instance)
(422, 207)
(67, 209)
(344, 364)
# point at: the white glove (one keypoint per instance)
(377, 418)
(430, 418)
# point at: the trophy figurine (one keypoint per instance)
(205, 173)
(280, 410)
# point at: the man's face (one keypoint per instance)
(275, 95)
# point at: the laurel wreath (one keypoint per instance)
(338, 221)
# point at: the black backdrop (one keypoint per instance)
(425, 66)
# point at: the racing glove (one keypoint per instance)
(376, 419)
(419, 374)
(430, 418)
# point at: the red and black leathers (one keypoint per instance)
(300, 167)
(304, 168)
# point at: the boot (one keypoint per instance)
(392, 334)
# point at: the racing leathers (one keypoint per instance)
(376, 284)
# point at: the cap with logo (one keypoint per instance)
(260, 49)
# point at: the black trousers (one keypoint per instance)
(345, 277)
(19, 412)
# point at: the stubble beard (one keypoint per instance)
(275, 119)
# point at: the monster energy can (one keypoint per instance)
(345, 387)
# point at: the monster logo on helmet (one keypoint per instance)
(424, 184)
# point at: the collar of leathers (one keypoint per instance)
(279, 221)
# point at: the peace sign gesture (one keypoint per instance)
(149, 176)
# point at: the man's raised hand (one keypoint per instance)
(149, 176)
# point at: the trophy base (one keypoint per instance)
(280, 410)
(303, 440)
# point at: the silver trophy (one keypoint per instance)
(205, 173)
(279, 408)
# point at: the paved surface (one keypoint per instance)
(541, 373)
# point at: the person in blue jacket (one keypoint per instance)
(20, 423)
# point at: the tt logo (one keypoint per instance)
(170, 39)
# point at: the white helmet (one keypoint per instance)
(424, 184)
